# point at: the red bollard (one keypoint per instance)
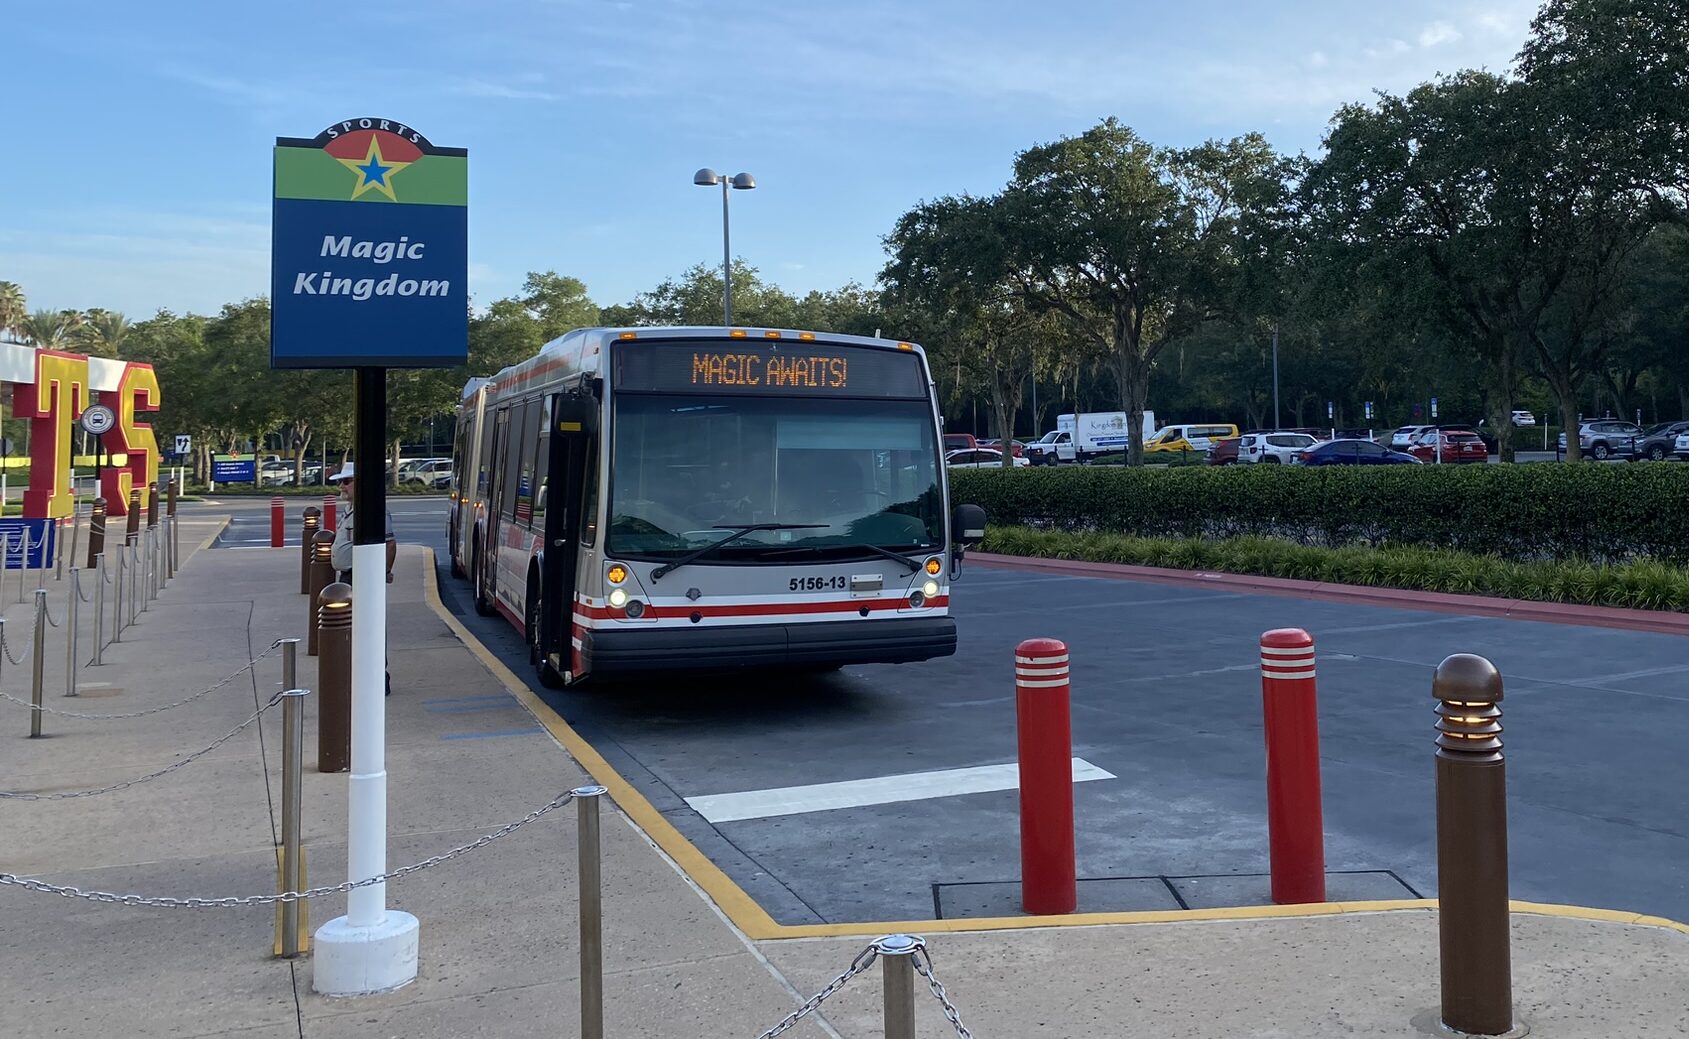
(328, 512)
(1045, 733)
(277, 508)
(1295, 824)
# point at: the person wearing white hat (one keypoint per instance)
(340, 556)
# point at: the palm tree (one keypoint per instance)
(49, 329)
(11, 307)
(103, 332)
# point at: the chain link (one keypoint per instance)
(76, 582)
(18, 795)
(6, 646)
(863, 961)
(248, 666)
(13, 880)
(921, 958)
(47, 608)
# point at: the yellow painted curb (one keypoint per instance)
(750, 917)
(215, 534)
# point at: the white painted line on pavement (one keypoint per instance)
(860, 793)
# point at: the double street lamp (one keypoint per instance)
(707, 177)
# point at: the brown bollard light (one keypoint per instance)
(322, 575)
(334, 678)
(313, 521)
(132, 532)
(1472, 909)
(96, 531)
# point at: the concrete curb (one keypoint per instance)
(1657, 622)
(750, 918)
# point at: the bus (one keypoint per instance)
(659, 499)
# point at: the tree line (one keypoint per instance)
(1497, 240)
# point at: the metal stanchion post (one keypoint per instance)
(591, 913)
(141, 591)
(96, 530)
(897, 964)
(1472, 909)
(332, 635)
(117, 597)
(99, 608)
(170, 518)
(312, 523)
(37, 663)
(70, 631)
(75, 528)
(293, 738)
(134, 583)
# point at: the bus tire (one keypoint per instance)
(483, 605)
(543, 670)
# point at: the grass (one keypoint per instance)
(1640, 585)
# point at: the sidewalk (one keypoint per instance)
(498, 941)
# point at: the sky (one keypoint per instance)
(137, 173)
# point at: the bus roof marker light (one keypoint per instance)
(737, 333)
(906, 346)
(806, 335)
(771, 334)
(628, 335)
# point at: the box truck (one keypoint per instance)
(1079, 438)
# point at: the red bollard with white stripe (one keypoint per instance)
(1045, 732)
(278, 508)
(1295, 822)
(328, 512)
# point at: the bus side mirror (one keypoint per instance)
(967, 525)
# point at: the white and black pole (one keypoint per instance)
(372, 948)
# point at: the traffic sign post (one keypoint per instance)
(369, 271)
(184, 444)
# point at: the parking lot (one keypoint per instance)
(899, 813)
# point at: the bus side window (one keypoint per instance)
(519, 470)
(589, 510)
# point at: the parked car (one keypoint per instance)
(1051, 448)
(1404, 437)
(959, 442)
(1274, 448)
(274, 473)
(1659, 442)
(1606, 438)
(1449, 445)
(1018, 446)
(981, 458)
(1188, 438)
(1225, 452)
(1524, 418)
(434, 472)
(1353, 452)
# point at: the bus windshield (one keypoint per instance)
(685, 467)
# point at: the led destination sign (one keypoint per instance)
(800, 369)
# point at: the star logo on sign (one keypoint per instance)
(374, 172)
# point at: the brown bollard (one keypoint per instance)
(132, 532)
(334, 678)
(152, 506)
(1472, 909)
(313, 521)
(173, 490)
(322, 575)
(96, 531)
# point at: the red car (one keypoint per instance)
(959, 442)
(1224, 452)
(1457, 446)
(997, 445)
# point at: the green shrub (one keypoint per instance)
(1519, 512)
(1644, 584)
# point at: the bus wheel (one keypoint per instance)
(547, 674)
(483, 606)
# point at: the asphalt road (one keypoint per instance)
(1167, 705)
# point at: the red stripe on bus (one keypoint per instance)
(758, 609)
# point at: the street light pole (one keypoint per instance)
(1276, 423)
(740, 181)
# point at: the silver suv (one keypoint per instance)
(1602, 439)
(1273, 448)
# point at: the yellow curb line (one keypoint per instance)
(750, 917)
(215, 534)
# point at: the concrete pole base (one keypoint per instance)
(362, 961)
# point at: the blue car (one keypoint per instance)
(1353, 452)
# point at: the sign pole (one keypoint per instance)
(371, 948)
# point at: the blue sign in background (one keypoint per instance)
(29, 542)
(234, 470)
(414, 312)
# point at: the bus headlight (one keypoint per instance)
(930, 588)
(917, 600)
(636, 609)
(618, 597)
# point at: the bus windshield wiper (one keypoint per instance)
(738, 532)
(913, 564)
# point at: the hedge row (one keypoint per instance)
(1522, 512)
(1642, 584)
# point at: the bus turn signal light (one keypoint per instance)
(934, 566)
(617, 573)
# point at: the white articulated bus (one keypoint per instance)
(652, 499)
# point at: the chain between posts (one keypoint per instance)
(19, 795)
(76, 583)
(13, 880)
(920, 959)
(244, 668)
(6, 646)
(47, 608)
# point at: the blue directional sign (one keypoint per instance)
(369, 261)
(28, 542)
(234, 469)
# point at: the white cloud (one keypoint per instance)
(488, 88)
(1318, 60)
(1438, 33)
